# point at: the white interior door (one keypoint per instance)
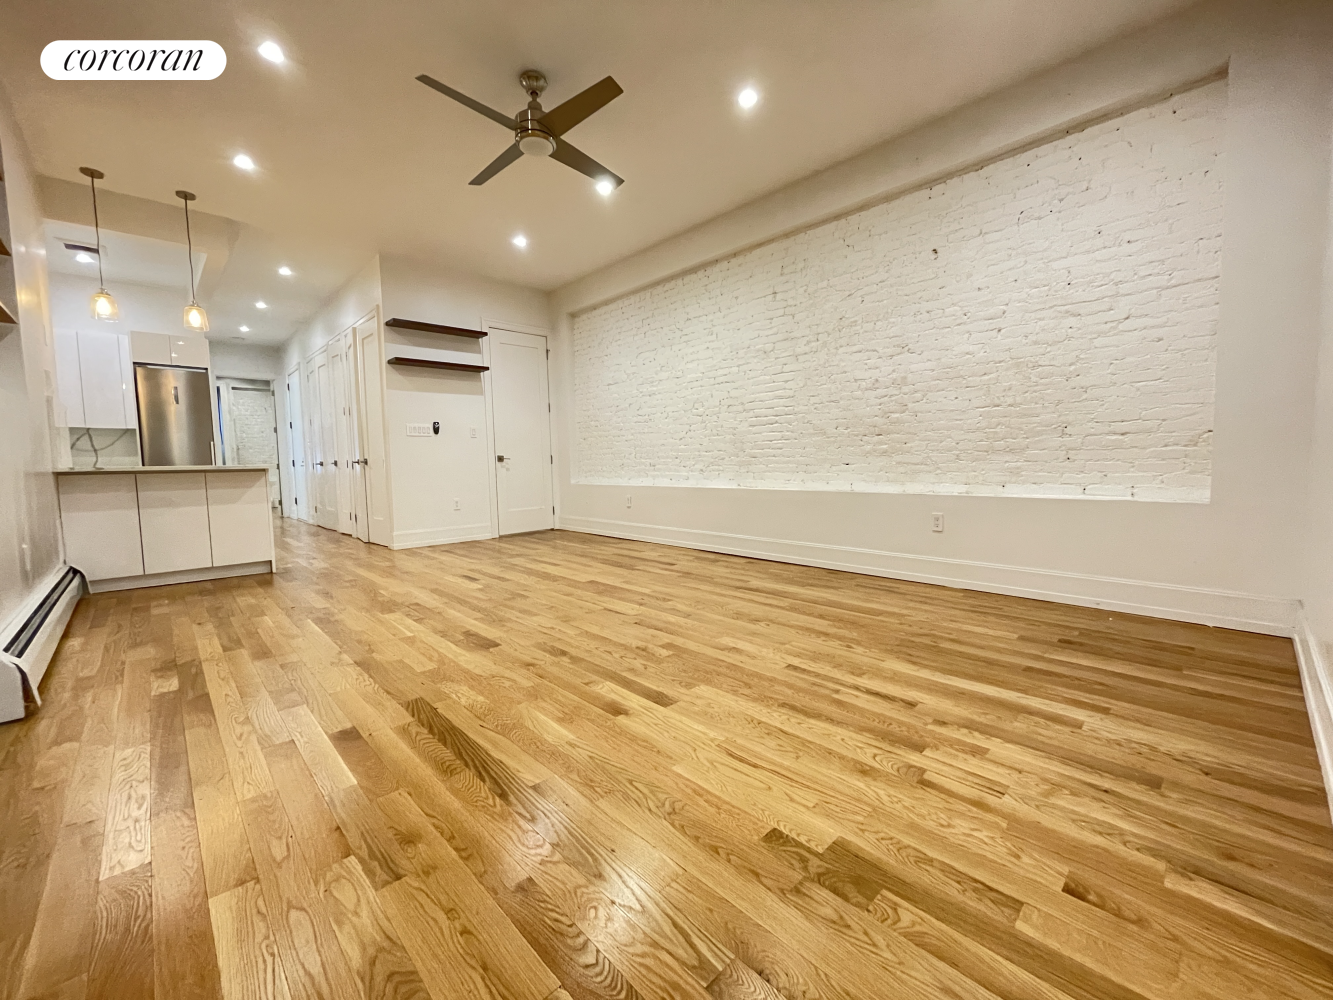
(326, 514)
(311, 406)
(342, 468)
(356, 449)
(374, 468)
(296, 442)
(520, 412)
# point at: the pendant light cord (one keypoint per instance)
(97, 229)
(189, 248)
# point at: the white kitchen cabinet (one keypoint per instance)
(95, 379)
(173, 517)
(108, 384)
(99, 516)
(150, 348)
(189, 352)
(182, 350)
(69, 382)
(239, 517)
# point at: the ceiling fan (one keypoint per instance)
(538, 132)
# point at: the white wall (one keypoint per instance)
(1237, 559)
(147, 308)
(433, 475)
(30, 546)
(1317, 590)
(1043, 326)
(229, 359)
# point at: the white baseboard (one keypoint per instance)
(179, 576)
(441, 536)
(1220, 608)
(1318, 686)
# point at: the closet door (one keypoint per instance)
(342, 462)
(374, 468)
(312, 443)
(327, 516)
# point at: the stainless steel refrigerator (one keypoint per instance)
(175, 415)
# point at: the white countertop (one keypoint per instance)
(137, 469)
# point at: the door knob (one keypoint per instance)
(335, 462)
(499, 458)
(320, 464)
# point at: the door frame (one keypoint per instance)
(488, 390)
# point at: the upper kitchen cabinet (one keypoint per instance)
(95, 379)
(168, 349)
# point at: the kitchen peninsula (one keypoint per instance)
(156, 525)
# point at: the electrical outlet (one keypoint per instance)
(418, 430)
(629, 501)
(936, 522)
(472, 432)
(457, 504)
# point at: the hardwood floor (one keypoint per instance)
(563, 766)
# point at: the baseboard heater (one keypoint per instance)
(28, 649)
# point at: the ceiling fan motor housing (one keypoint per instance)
(532, 136)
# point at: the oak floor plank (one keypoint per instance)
(372, 947)
(248, 961)
(121, 964)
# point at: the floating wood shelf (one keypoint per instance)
(4, 315)
(4, 250)
(452, 366)
(416, 324)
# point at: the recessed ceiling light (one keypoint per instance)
(261, 304)
(605, 187)
(272, 51)
(245, 329)
(748, 98)
(285, 271)
(243, 161)
(520, 241)
(83, 258)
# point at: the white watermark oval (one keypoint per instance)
(133, 60)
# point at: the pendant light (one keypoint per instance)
(195, 317)
(103, 305)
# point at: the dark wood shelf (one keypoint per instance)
(4, 250)
(416, 324)
(4, 315)
(452, 366)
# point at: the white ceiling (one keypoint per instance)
(125, 257)
(355, 156)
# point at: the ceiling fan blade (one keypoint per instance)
(560, 120)
(499, 163)
(572, 156)
(481, 109)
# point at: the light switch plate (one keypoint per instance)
(418, 430)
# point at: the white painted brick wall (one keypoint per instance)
(1043, 326)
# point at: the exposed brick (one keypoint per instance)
(1045, 325)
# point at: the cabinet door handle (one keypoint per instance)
(335, 463)
(499, 458)
(320, 464)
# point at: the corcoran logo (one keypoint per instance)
(103, 60)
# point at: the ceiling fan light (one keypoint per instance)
(104, 306)
(195, 318)
(534, 144)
